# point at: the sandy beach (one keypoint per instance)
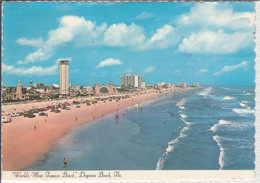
(22, 145)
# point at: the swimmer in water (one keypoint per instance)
(65, 162)
(164, 121)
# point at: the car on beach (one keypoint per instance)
(42, 114)
(68, 108)
(88, 104)
(78, 106)
(26, 114)
(31, 116)
(57, 111)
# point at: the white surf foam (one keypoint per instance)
(160, 163)
(205, 92)
(244, 105)
(171, 144)
(229, 98)
(181, 103)
(244, 111)
(221, 154)
(220, 123)
(183, 116)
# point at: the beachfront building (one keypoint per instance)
(39, 85)
(86, 90)
(142, 85)
(131, 80)
(64, 77)
(195, 84)
(182, 85)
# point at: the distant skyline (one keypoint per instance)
(208, 43)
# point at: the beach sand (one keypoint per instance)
(22, 145)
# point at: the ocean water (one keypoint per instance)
(208, 128)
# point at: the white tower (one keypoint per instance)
(64, 77)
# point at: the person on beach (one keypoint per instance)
(34, 127)
(45, 119)
(76, 119)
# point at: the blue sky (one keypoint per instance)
(209, 43)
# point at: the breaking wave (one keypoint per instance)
(206, 92)
(221, 122)
(170, 147)
(181, 103)
(221, 161)
(244, 111)
(229, 98)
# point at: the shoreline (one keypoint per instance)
(32, 145)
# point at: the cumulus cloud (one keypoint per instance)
(215, 42)
(30, 42)
(34, 70)
(70, 28)
(163, 38)
(229, 68)
(149, 69)
(216, 15)
(144, 15)
(109, 62)
(123, 35)
(202, 71)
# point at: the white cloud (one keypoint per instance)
(70, 28)
(128, 71)
(123, 35)
(109, 62)
(144, 15)
(30, 42)
(215, 42)
(216, 15)
(163, 38)
(202, 71)
(149, 69)
(230, 68)
(34, 70)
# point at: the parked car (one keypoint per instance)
(42, 114)
(26, 114)
(35, 111)
(31, 116)
(52, 110)
(68, 108)
(78, 106)
(57, 111)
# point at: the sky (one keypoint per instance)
(209, 43)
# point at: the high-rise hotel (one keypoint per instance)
(64, 77)
(131, 80)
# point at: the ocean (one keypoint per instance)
(208, 128)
